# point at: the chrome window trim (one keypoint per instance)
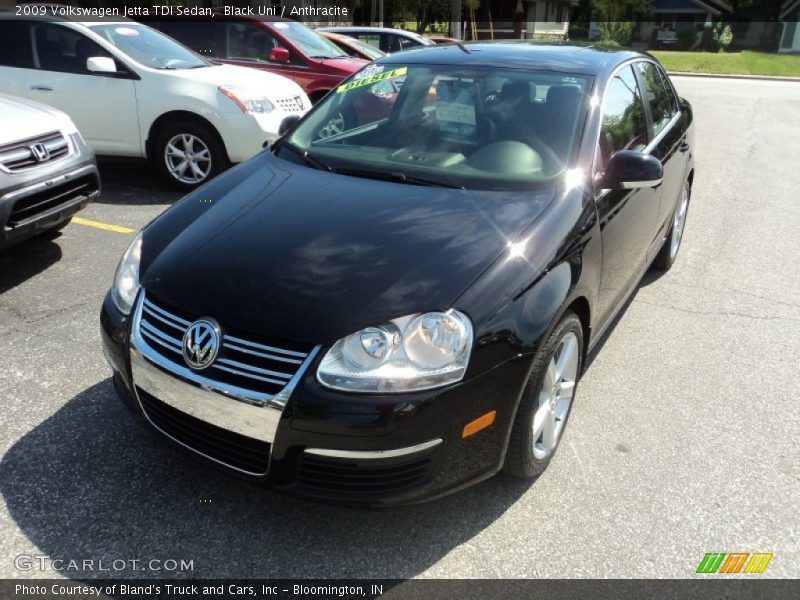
(373, 454)
(656, 139)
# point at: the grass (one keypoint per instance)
(734, 63)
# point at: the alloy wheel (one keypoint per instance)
(188, 158)
(555, 396)
(678, 224)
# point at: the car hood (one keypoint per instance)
(287, 251)
(347, 66)
(23, 119)
(274, 86)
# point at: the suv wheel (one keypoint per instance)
(189, 154)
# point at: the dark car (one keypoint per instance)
(389, 313)
(47, 172)
(272, 44)
(353, 46)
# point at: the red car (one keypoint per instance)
(278, 45)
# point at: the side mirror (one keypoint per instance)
(279, 55)
(629, 170)
(287, 124)
(101, 64)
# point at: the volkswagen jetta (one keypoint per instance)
(391, 310)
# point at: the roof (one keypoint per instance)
(561, 57)
(367, 29)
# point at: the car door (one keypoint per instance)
(669, 141)
(628, 218)
(102, 105)
(16, 57)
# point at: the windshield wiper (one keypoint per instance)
(321, 57)
(400, 178)
(310, 160)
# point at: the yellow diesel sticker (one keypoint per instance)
(356, 83)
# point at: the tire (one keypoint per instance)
(193, 145)
(528, 456)
(672, 242)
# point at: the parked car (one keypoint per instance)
(47, 173)
(353, 46)
(387, 39)
(272, 44)
(407, 306)
(440, 39)
(135, 92)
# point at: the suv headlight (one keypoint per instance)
(126, 279)
(249, 101)
(412, 353)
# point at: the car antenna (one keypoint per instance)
(462, 47)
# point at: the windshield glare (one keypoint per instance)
(149, 47)
(308, 41)
(472, 127)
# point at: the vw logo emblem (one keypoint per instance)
(201, 343)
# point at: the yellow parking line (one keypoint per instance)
(104, 226)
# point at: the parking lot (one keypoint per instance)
(683, 440)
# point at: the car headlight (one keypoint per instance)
(126, 279)
(412, 353)
(249, 101)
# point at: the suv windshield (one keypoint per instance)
(471, 127)
(149, 47)
(309, 42)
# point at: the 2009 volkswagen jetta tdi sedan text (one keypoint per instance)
(385, 307)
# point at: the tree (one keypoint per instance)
(615, 18)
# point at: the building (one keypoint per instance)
(523, 19)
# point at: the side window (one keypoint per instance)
(249, 42)
(370, 38)
(200, 36)
(15, 50)
(61, 49)
(391, 43)
(624, 126)
(661, 103)
(407, 43)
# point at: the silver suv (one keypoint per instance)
(47, 173)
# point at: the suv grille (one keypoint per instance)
(232, 449)
(32, 152)
(241, 362)
(30, 207)
(291, 105)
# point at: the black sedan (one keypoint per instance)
(383, 308)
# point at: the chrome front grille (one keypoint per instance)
(243, 363)
(32, 152)
(291, 105)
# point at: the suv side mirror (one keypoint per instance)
(279, 55)
(629, 169)
(287, 124)
(101, 64)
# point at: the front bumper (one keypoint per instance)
(326, 445)
(39, 199)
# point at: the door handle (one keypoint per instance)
(684, 146)
(42, 87)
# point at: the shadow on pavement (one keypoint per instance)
(26, 259)
(90, 482)
(132, 181)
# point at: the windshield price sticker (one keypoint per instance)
(455, 112)
(371, 79)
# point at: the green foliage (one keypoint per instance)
(721, 37)
(619, 32)
(686, 38)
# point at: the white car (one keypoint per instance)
(132, 91)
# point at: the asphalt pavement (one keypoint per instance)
(683, 439)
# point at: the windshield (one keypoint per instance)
(308, 41)
(366, 48)
(149, 47)
(471, 127)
